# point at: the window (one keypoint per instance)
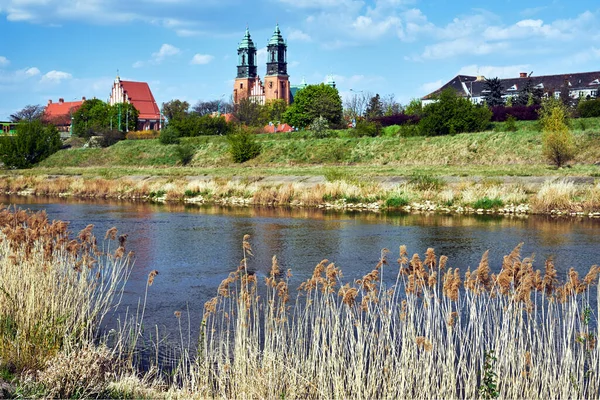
(241, 85)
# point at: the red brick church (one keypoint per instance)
(140, 96)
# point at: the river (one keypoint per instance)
(194, 248)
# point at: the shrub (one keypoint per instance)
(108, 137)
(142, 135)
(397, 119)
(589, 108)
(520, 113)
(396, 202)
(319, 127)
(185, 153)
(169, 135)
(366, 128)
(452, 114)
(511, 125)
(243, 146)
(487, 204)
(32, 143)
(557, 140)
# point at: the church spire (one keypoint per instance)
(276, 52)
(246, 57)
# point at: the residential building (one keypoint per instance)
(579, 85)
(60, 114)
(140, 96)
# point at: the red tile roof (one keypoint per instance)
(60, 113)
(280, 128)
(141, 97)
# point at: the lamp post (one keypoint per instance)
(219, 105)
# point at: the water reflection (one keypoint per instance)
(194, 248)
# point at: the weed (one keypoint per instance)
(489, 387)
(487, 204)
(396, 202)
(426, 182)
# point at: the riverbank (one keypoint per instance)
(558, 195)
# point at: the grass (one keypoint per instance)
(485, 150)
(487, 204)
(419, 329)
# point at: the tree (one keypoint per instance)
(415, 107)
(248, 112)
(175, 109)
(273, 111)
(355, 105)
(32, 143)
(122, 117)
(452, 114)
(28, 113)
(390, 106)
(557, 140)
(91, 117)
(528, 95)
(375, 108)
(212, 106)
(493, 92)
(312, 102)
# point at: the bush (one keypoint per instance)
(196, 125)
(109, 137)
(520, 113)
(452, 114)
(185, 153)
(397, 119)
(557, 140)
(32, 143)
(366, 128)
(487, 204)
(510, 125)
(169, 135)
(426, 182)
(589, 108)
(142, 135)
(396, 202)
(319, 128)
(243, 146)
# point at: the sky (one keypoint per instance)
(187, 49)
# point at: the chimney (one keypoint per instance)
(61, 100)
(523, 75)
(480, 78)
(49, 101)
(83, 98)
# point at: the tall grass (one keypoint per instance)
(427, 334)
(54, 290)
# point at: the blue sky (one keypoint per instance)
(186, 49)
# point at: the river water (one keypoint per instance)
(194, 248)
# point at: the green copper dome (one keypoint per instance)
(247, 42)
(276, 39)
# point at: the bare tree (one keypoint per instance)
(356, 105)
(390, 105)
(29, 113)
(212, 106)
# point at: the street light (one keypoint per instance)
(219, 105)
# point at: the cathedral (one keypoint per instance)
(248, 84)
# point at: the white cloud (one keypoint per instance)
(459, 47)
(33, 71)
(201, 59)
(319, 3)
(56, 76)
(4, 61)
(261, 56)
(138, 64)
(296, 34)
(166, 50)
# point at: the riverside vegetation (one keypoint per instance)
(418, 329)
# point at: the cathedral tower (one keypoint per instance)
(277, 80)
(246, 69)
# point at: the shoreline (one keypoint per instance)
(570, 196)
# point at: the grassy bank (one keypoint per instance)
(493, 152)
(417, 192)
(430, 331)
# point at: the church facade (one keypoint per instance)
(248, 84)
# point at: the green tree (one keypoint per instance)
(493, 92)
(319, 127)
(452, 114)
(375, 107)
(528, 95)
(415, 107)
(558, 144)
(273, 111)
(175, 109)
(312, 102)
(589, 108)
(32, 143)
(122, 117)
(91, 117)
(248, 112)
